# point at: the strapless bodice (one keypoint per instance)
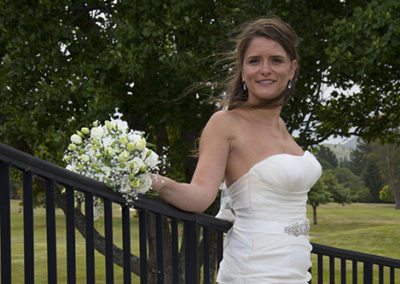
(275, 188)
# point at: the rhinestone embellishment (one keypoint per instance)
(298, 228)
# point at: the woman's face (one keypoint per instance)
(267, 69)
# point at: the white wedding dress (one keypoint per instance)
(268, 242)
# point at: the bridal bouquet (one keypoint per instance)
(114, 154)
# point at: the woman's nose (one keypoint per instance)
(266, 67)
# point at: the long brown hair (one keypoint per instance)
(272, 28)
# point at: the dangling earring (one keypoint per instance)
(244, 86)
(289, 85)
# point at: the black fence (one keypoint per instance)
(174, 246)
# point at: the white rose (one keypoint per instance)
(151, 159)
(145, 183)
(135, 165)
(85, 130)
(123, 140)
(85, 158)
(123, 157)
(141, 144)
(107, 141)
(97, 132)
(76, 139)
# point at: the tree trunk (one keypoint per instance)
(396, 194)
(99, 240)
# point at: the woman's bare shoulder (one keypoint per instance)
(225, 116)
(223, 123)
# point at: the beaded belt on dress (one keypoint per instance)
(296, 229)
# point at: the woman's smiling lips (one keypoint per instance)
(265, 82)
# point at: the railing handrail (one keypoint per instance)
(355, 255)
(63, 176)
(160, 207)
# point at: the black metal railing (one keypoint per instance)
(60, 186)
(174, 246)
(352, 266)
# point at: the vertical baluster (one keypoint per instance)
(367, 273)
(28, 228)
(143, 245)
(206, 255)
(70, 220)
(391, 275)
(190, 241)
(175, 253)
(90, 275)
(126, 240)
(343, 270)
(160, 248)
(355, 272)
(51, 232)
(320, 269)
(331, 270)
(108, 231)
(381, 275)
(5, 225)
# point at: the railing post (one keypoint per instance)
(190, 241)
(5, 226)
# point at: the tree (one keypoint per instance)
(358, 191)
(319, 194)
(363, 166)
(326, 157)
(386, 194)
(387, 157)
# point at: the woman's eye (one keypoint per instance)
(277, 60)
(254, 61)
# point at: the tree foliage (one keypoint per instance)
(387, 157)
(65, 64)
(362, 50)
(327, 157)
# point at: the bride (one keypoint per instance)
(247, 147)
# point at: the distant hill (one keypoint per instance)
(342, 150)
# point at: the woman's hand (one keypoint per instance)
(157, 182)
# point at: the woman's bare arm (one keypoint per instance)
(213, 154)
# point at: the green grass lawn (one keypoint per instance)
(369, 228)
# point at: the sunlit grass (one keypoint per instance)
(367, 228)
